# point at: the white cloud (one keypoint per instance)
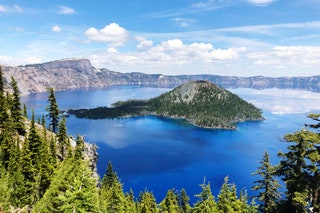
(56, 29)
(183, 22)
(261, 2)
(11, 9)
(288, 56)
(2, 9)
(170, 53)
(112, 34)
(143, 43)
(7, 60)
(66, 10)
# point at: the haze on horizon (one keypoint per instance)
(221, 37)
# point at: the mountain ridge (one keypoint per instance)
(78, 73)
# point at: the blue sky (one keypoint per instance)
(222, 37)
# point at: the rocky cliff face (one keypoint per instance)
(79, 73)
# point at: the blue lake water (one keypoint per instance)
(158, 154)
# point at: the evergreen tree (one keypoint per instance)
(25, 112)
(170, 203)
(16, 112)
(112, 198)
(110, 177)
(4, 190)
(267, 186)
(147, 203)
(53, 110)
(78, 153)
(6, 144)
(299, 170)
(53, 150)
(40, 160)
(131, 206)
(227, 198)
(29, 175)
(206, 201)
(184, 201)
(73, 189)
(63, 139)
(82, 194)
(314, 157)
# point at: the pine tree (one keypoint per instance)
(131, 206)
(147, 203)
(184, 199)
(227, 198)
(314, 157)
(299, 170)
(170, 202)
(112, 198)
(73, 188)
(206, 201)
(78, 153)
(53, 110)
(25, 112)
(29, 175)
(40, 160)
(4, 190)
(110, 177)
(63, 139)
(16, 112)
(82, 193)
(267, 186)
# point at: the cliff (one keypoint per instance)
(74, 73)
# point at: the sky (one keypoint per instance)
(172, 37)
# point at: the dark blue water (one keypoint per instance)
(159, 154)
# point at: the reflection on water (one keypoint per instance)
(160, 154)
(280, 101)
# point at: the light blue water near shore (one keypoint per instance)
(159, 154)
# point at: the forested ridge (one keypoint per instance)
(200, 102)
(41, 170)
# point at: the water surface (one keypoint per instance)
(159, 154)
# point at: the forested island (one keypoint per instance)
(45, 170)
(201, 103)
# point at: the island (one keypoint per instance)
(200, 102)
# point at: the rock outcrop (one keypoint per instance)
(74, 73)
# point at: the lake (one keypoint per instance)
(157, 154)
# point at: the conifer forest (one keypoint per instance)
(43, 169)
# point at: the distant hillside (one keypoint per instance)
(69, 74)
(202, 103)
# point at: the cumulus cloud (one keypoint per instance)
(143, 43)
(56, 29)
(173, 52)
(261, 2)
(66, 10)
(112, 34)
(286, 56)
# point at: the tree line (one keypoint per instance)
(41, 171)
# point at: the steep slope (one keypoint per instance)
(202, 103)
